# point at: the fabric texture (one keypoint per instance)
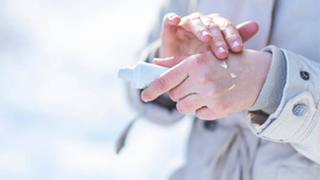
(271, 93)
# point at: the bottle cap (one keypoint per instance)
(125, 73)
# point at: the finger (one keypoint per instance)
(247, 30)
(182, 90)
(170, 23)
(189, 104)
(230, 33)
(194, 24)
(214, 111)
(165, 82)
(170, 61)
(205, 114)
(218, 46)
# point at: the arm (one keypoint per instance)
(181, 36)
(293, 114)
(289, 114)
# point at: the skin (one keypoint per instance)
(199, 82)
(199, 33)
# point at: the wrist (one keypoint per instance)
(271, 93)
(265, 59)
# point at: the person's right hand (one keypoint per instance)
(209, 86)
(199, 33)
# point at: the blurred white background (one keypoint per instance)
(62, 106)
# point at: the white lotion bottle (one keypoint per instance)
(142, 74)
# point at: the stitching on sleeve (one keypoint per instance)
(310, 128)
(313, 121)
(279, 124)
(284, 119)
(308, 104)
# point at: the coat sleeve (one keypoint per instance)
(296, 118)
(162, 110)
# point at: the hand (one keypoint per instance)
(212, 87)
(198, 33)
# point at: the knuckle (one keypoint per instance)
(227, 25)
(195, 14)
(196, 61)
(218, 40)
(206, 79)
(176, 59)
(231, 37)
(199, 31)
(162, 84)
(220, 43)
(218, 107)
(213, 111)
(216, 14)
(222, 108)
(212, 25)
(213, 92)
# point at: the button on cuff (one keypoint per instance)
(300, 109)
(291, 123)
(304, 75)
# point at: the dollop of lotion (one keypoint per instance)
(224, 64)
(232, 87)
(233, 75)
(142, 74)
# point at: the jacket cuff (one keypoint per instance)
(296, 116)
(271, 93)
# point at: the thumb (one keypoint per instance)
(247, 30)
(170, 61)
(169, 24)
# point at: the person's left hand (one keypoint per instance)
(198, 33)
(214, 89)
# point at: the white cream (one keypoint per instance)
(142, 74)
(232, 87)
(224, 64)
(233, 75)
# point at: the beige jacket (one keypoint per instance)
(284, 144)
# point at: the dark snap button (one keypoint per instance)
(304, 75)
(210, 125)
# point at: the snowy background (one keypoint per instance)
(62, 106)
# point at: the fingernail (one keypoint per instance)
(144, 100)
(236, 43)
(204, 33)
(222, 50)
(143, 97)
(172, 17)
